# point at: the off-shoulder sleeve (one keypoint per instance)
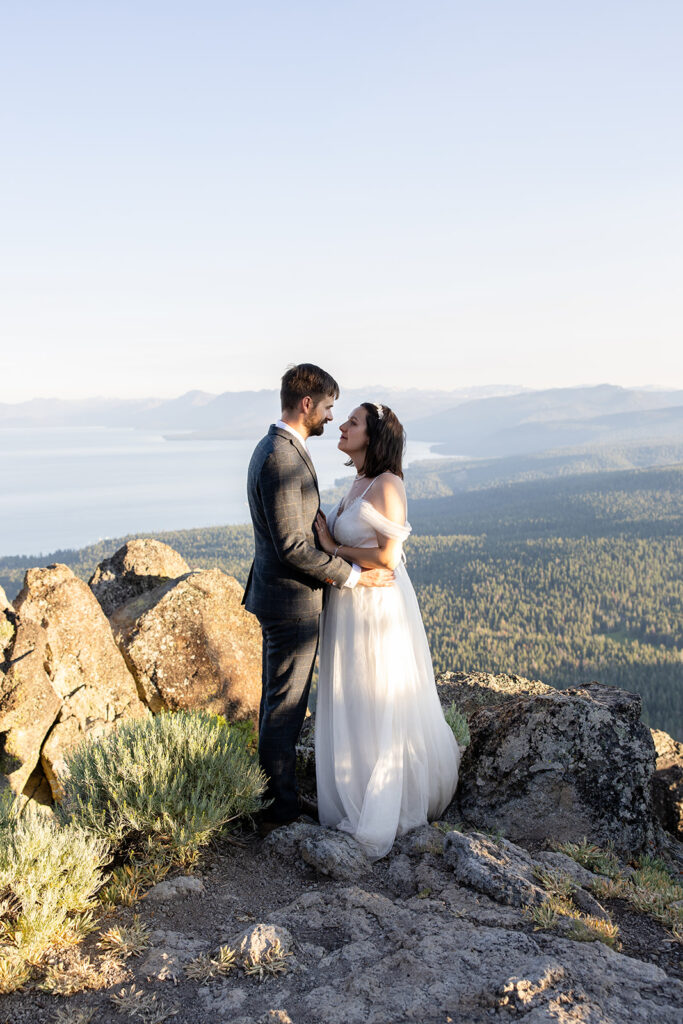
(381, 524)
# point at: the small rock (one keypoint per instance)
(258, 940)
(335, 854)
(588, 903)
(426, 839)
(332, 853)
(172, 888)
(401, 876)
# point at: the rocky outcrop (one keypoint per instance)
(472, 691)
(138, 566)
(7, 623)
(65, 680)
(561, 765)
(463, 947)
(191, 644)
(667, 784)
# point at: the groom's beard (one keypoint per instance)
(315, 426)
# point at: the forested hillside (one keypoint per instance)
(566, 579)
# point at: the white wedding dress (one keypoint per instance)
(386, 759)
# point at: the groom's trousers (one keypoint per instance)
(289, 650)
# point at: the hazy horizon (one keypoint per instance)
(102, 396)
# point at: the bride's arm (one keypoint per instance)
(388, 497)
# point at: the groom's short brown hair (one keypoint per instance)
(304, 380)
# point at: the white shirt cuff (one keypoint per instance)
(354, 576)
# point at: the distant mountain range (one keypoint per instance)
(230, 415)
(481, 422)
(536, 421)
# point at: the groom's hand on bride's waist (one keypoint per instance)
(376, 578)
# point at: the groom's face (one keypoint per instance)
(319, 415)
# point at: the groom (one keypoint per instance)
(287, 580)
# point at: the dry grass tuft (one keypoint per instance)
(71, 1015)
(204, 967)
(144, 1006)
(125, 941)
(557, 883)
(272, 963)
(590, 929)
(592, 857)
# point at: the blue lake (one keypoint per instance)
(65, 487)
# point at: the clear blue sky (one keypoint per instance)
(432, 193)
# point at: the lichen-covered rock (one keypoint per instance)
(66, 677)
(472, 691)
(191, 644)
(138, 566)
(562, 765)
(499, 869)
(667, 784)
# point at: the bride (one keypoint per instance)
(386, 760)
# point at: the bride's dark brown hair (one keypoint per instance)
(386, 442)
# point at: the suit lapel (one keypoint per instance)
(298, 445)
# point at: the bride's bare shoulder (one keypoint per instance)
(389, 496)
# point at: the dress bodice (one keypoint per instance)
(359, 523)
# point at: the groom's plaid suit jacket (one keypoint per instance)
(289, 571)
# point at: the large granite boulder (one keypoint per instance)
(667, 784)
(138, 566)
(65, 678)
(191, 644)
(562, 765)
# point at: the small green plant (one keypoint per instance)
(557, 883)
(135, 1002)
(172, 780)
(594, 929)
(650, 889)
(126, 940)
(48, 879)
(128, 882)
(70, 1015)
(204, 967)
(245, 730)
(458, 724)
(76, 976)
(270, 964)
(592, 857)
(543, 915)
(14, 971)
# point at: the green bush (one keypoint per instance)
(458, 724)
(170, 781)
(48, 877)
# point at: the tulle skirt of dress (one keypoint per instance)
(386, 759)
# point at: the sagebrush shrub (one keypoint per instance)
(48, 877)
(173, 779)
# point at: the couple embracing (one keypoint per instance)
(386, 760)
